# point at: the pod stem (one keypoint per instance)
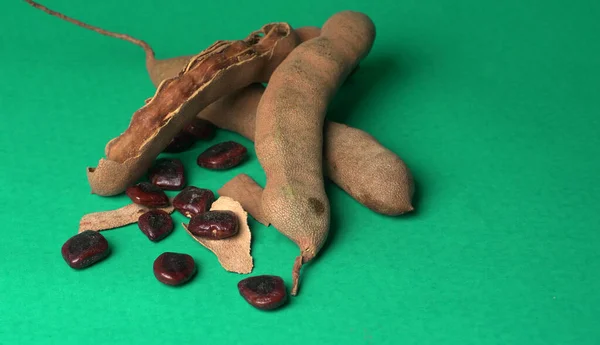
(147, 49)
(296, 274)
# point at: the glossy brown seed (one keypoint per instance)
(214, 225)
(156, 224)
(167, 174)
(174, 268)
(201, 129)
(147, 194)
(183, 141)
(222, 156)
(193, 200)
(264, 292)
(85, 249)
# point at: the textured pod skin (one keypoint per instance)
(289, 132)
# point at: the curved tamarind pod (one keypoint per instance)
(289, 130)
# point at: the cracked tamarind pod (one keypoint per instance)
(222, 68)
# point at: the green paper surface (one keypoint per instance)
(494, 106)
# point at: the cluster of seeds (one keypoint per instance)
(168, 174)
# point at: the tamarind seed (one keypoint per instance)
(147, 194)
(174, 268)
(167, 174)
(181, 142)
(215, 225)
(192, 201)
(264, 292)
(156, 224)
(201, 129)
(222, 156)
(85, 249)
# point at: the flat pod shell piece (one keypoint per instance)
(233, 253)
(106, 220)
(248, 193)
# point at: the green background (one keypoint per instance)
(494, 106)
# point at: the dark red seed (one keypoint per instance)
(174, 268)
(181, 142)
(85, 249)
(193, 200)
(147, 194)
(264, 292)
(156, 224)
(167, 174)
(214, 225)
(201, 129)
(222, 156)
